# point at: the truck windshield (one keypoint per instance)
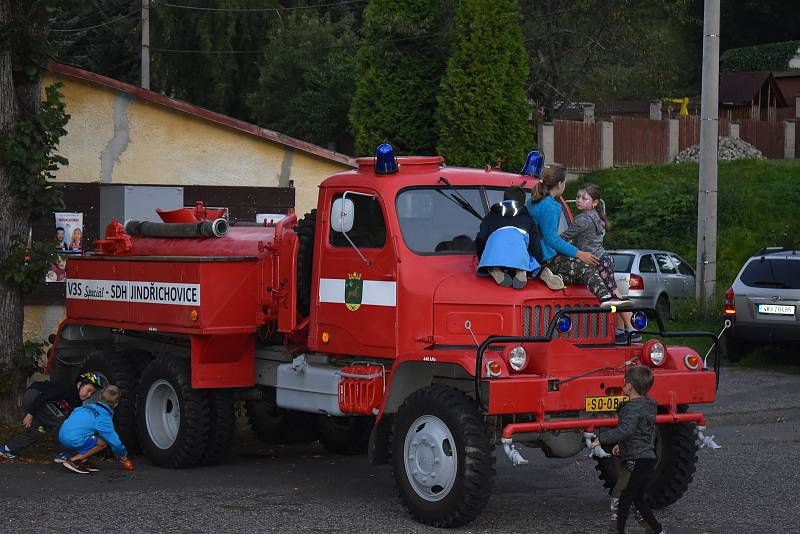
(433, 223)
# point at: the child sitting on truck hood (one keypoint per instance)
(90, 429)
(506, 241)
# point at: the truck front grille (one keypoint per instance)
(585, 327)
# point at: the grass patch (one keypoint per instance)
(773, 357)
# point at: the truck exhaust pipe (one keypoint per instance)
(215, 228)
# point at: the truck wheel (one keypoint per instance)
(221, 426)
(345, 435)
(442, 457)
(173, 417)
(305, 255)
(676, 449)
(277, 426)
(736, 349)
(119, 371)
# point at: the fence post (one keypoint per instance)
(789, 133)
(655, 110)
(606, 144)
(673, 139)
(549, 142)
(734, 129)
(588, 113)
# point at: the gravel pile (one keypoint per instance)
(729, 148)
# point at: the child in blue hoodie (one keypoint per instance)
(89, 430)
(507, 241)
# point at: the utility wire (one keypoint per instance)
(260, 9)
(107, 23)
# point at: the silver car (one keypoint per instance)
(763, 303)
(653, 278)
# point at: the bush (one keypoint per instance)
(772, 56)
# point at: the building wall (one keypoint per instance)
(114, 137)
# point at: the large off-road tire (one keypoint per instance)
(276, 426)
(173, 418)
(345, 435)
(736, 349)
(119, 371)
(221, 426)
(442, 457)
(676, 448)
(305, 257)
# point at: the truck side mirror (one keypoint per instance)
(342, 215)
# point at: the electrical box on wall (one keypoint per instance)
(139, 202)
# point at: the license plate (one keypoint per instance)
(776, 309)
(604, 404)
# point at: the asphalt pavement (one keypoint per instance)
(750, 485)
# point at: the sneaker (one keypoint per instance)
(553, 281)
(635, 336)
(61, 457)
(520, 279)
(500, 277)
(6, 453)
(88, 466)
(620, 339)
(75, 466)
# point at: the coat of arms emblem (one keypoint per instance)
(353, 291)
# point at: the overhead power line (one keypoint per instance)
(102, 24)
(260, 9)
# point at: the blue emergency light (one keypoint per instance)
(533, 164)
(385, 162)
(564, 324)
(639, 320)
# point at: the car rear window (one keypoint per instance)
(778, 273)
(622, 262)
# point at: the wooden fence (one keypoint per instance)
(639, 141)
(765, 136)
(577, 145)
(689, 130)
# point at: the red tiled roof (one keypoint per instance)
(224, 120)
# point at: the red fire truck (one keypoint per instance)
(365, 326)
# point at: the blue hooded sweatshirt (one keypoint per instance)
(86, 421)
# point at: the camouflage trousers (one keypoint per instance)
(574, 272)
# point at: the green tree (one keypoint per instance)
(401, 60)
(307, 78)
(29, 132)
(483, 111)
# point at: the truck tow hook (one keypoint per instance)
(598, 451)
(706, 441)
(513, 454)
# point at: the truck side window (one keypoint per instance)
(369, 227)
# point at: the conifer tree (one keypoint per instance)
(401, 59)
(482, 111)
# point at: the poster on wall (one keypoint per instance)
(69, 240)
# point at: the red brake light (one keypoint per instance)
(730, 303)
(636, 282)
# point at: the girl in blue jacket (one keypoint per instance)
(90, 429)
(559, 258)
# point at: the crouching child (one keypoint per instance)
(89, 430)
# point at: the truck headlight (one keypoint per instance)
(517, 358)
(654, 353)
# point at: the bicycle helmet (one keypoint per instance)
(92, 378)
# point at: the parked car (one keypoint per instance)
(763, 303)
(653, 278)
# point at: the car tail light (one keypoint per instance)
(636, 282)
(730, 303)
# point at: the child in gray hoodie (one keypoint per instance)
(635, 445)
